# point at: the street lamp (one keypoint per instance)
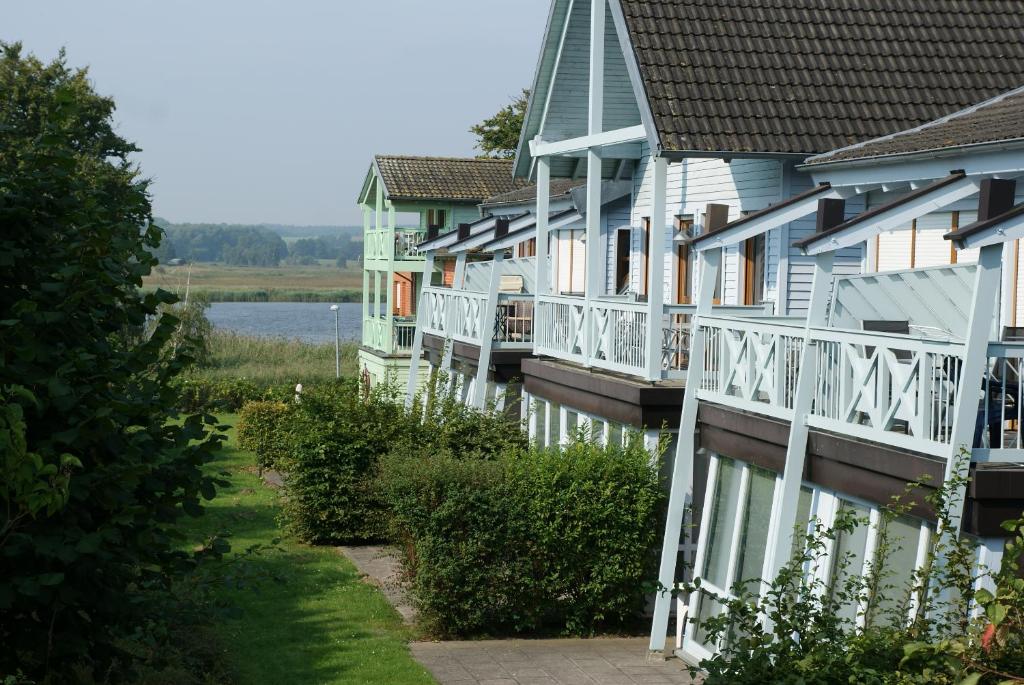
(337, 341)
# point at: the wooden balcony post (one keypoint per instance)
(681, 492)
(831, 213)
(422, 318)
(487, 318)
(543, 202)
(656, 271)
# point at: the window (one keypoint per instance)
(753, 269)
(623, 238)
(684, 261)
(646, 271)
(572, 260)
(527, 248)
(554, 424)
(436, 218)
(540, 414)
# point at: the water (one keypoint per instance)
(306, 321)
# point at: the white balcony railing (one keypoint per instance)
(375, 334)
(463, 315)
(612, 334)
(1001, 411)
(400, 245)
(751, 364)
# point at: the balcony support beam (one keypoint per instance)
(656, 271)
(487, 317)
(422, 317)
(543, 205)
(681, 492)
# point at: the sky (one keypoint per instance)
(252, 111)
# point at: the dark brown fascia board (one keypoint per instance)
(425, 245)
(526, 231)
(953, 177)
(471, 235)
(754, 216)
(962, 234)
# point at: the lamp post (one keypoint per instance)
(337, 341)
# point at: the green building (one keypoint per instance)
(403, 200)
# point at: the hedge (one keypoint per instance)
(200, 394)
(263, 428)
(537, 541)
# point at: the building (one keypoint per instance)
(772, 323)
(404, 200)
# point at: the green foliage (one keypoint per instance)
(498, 136)
(237, 245)
(96, 473)
(796, 633)
(262, 429)
(277, 295)
(526, 541)
(337, 435)
(201, 394)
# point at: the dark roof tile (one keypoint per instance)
(445, 178)
(805, 76)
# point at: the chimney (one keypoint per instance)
(716, 217)
(995, 197)
(500, 228)
(463, 231)
(831, 213)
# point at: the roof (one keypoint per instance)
(761, 213)
(996, 120)
(807, 76)
(558, 187)
(444, 178)
(874, 212)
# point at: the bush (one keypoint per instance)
(532, 540)
(960, 635)
(263, 429)
(337, 434)
(196, 393)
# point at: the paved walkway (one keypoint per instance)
(599, 661)
(381, 567)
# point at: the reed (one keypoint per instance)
(278, 295)
(273, 361)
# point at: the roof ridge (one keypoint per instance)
(429, 158)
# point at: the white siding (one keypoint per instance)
(893, 249)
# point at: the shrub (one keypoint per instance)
(197, 393)
(337, 436)
(794, 634)
(263, 429)
(538, 540)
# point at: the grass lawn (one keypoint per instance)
(322, 624)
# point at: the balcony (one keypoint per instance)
(396, 339)
(463, 316)
(894, 389)
(612, 334)
(401, 245)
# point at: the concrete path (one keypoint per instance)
(381, 567)
(598, 661)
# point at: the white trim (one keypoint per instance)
(899, 215)
(630, 134)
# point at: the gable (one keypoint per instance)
(559, 99)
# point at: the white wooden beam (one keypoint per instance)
(543, 203)
(901, 214)
(781, 216)
(656, 272)
(1005, 231)
(681, 489)
(486, 331)
(417, 340)
(580, 144)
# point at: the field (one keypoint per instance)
(320, 623)
(323, 282)
(273, 361)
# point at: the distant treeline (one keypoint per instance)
(275, 295)
(260, 245)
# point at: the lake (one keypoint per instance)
(306, 321)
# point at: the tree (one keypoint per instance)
(498, 136)
(94, 468)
